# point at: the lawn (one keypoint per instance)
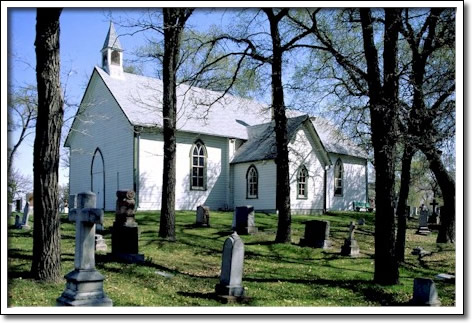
(184, 273)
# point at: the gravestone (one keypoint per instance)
(361, 221)
(350, 247)
(413, 212)
(316, 234)
(419, 251)
(447, 278)
(424, 293)
(125, 234)
(18, 223)
(423, 223)
(243, 220)
(230, 285)
(203, 216)
(26, 214)
(85, 284)
(100, 243)
(434, 217)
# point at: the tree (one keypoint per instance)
(174, 22)
(46, 263)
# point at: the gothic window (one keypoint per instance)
(252, 180)
(338, 178)
(115, 57)
(302, 183)
(198, 166)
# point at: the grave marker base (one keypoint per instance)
(84, 288)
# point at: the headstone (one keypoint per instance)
(316, 234)
(26, 214)
(85, 284)
(350, 247)
(361, 221)
(423, 222)
(18, 222)
(418, 251)
(203, 216)
(19, 205)
(125, 234)
(434, 218)
(413, 212)
(424, 293)
(243, 220)
(231, 277)
(446, 278)
(100, 244)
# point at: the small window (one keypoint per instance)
(302, 183)
(252, 180)
(338, 178)
(198, 166)
(115, 57)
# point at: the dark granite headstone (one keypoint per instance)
(316, 234)
(424, 293)
(203, 216)
(125, 234)
(243, 220)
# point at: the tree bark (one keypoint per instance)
(46, 263)
(402, 202)
(174, 21)
(282, 163)
(384, 114)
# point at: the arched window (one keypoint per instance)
(302, 183)
(198, 166)
(252, 182)
(338, 178)
(115, 57)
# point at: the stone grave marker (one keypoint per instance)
(125, 233)
(203, 216)
(434, 217)
(361, 221)
(230, 285)
(423, 223)
(100, 243)
(424, 293)
(27, 211)
(243, 220)
(85, 284)
(18, 222)
(350, 247)
(316, 234)
(419, 251)
(447, 278)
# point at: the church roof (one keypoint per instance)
(262, 144)
(112, 41)
(334, 140)
(140, 98)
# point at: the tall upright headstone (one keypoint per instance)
(423, 222)
(125, 233)
(243, 220)
(231, 277)
(350, 247)
(434, 217)
(424, 293)
(85, 284)
(316, 234)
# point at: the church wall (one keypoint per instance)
(303, 151)
(354, 183)
(267, 181)
(101, 125)
(151, 165)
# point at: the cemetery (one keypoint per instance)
(216, 266)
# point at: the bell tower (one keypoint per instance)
(112, 54)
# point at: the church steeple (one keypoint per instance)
(112, 54)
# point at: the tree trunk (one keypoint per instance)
(174, 21)
(282, 163)
(46, 263)
(448, 189)
(383, 111)
(402, 202)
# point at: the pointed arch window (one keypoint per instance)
(302, 183)
(252, 183)
(338, 178)
(198, 160)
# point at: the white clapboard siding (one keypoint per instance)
(354, 182)
(266, 171)
(151, 165)
(101, 124)
(304, 151)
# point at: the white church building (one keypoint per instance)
(225, 149)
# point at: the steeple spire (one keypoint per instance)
(112, 54)
(112, 41)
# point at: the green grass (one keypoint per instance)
(274, 274)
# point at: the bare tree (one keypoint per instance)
(46, 263)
